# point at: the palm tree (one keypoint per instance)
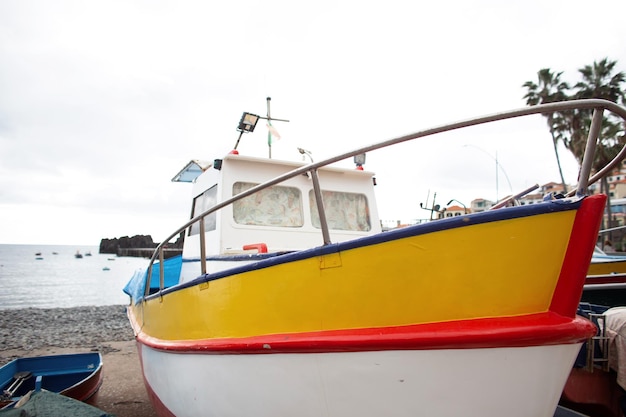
(549, 88)
(599, 82)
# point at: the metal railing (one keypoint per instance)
(599, 341)
(584, 181)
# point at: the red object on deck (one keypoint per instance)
(260, 247)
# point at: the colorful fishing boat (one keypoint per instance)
(289, 300)
(607, 263)
(78, 376)
(606, 280)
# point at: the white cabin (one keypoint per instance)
(277, 219)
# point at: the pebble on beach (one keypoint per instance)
(87, 327)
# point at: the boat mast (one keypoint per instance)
(248, 123)
(270, 127)
(269, 131)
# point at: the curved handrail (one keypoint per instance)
(314, 166)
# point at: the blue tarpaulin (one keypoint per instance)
(171, 272)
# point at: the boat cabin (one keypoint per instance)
(277, 219)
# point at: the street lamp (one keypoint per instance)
(497, 166)
(305, 152)
(464, 208)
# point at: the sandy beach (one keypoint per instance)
(39, 332)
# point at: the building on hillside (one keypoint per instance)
(480, 204)
(551, 188)
(617, 195)
(618, 188)
(617, 183)
(452, 211)
(397, 224)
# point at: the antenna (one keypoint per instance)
(248, 122)
(270, 127)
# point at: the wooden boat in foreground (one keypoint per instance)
(77, 376)
(289, 300)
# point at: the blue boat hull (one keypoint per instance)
(77, 376)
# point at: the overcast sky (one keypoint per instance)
(103, 102)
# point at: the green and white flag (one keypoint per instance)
(271, 131)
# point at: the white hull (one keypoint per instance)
(496, 382)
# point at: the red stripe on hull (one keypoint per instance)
(532, 330)
(569, 288)
(87, 390)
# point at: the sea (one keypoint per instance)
(49, 276)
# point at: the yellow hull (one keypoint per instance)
(470, 272)
(605, 268)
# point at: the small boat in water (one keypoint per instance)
(77, 376)
(78, 255)
(289, 299)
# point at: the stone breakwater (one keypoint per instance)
(85, 327)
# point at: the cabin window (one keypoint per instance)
(273, 206)
(201, 203)
(344, 211)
